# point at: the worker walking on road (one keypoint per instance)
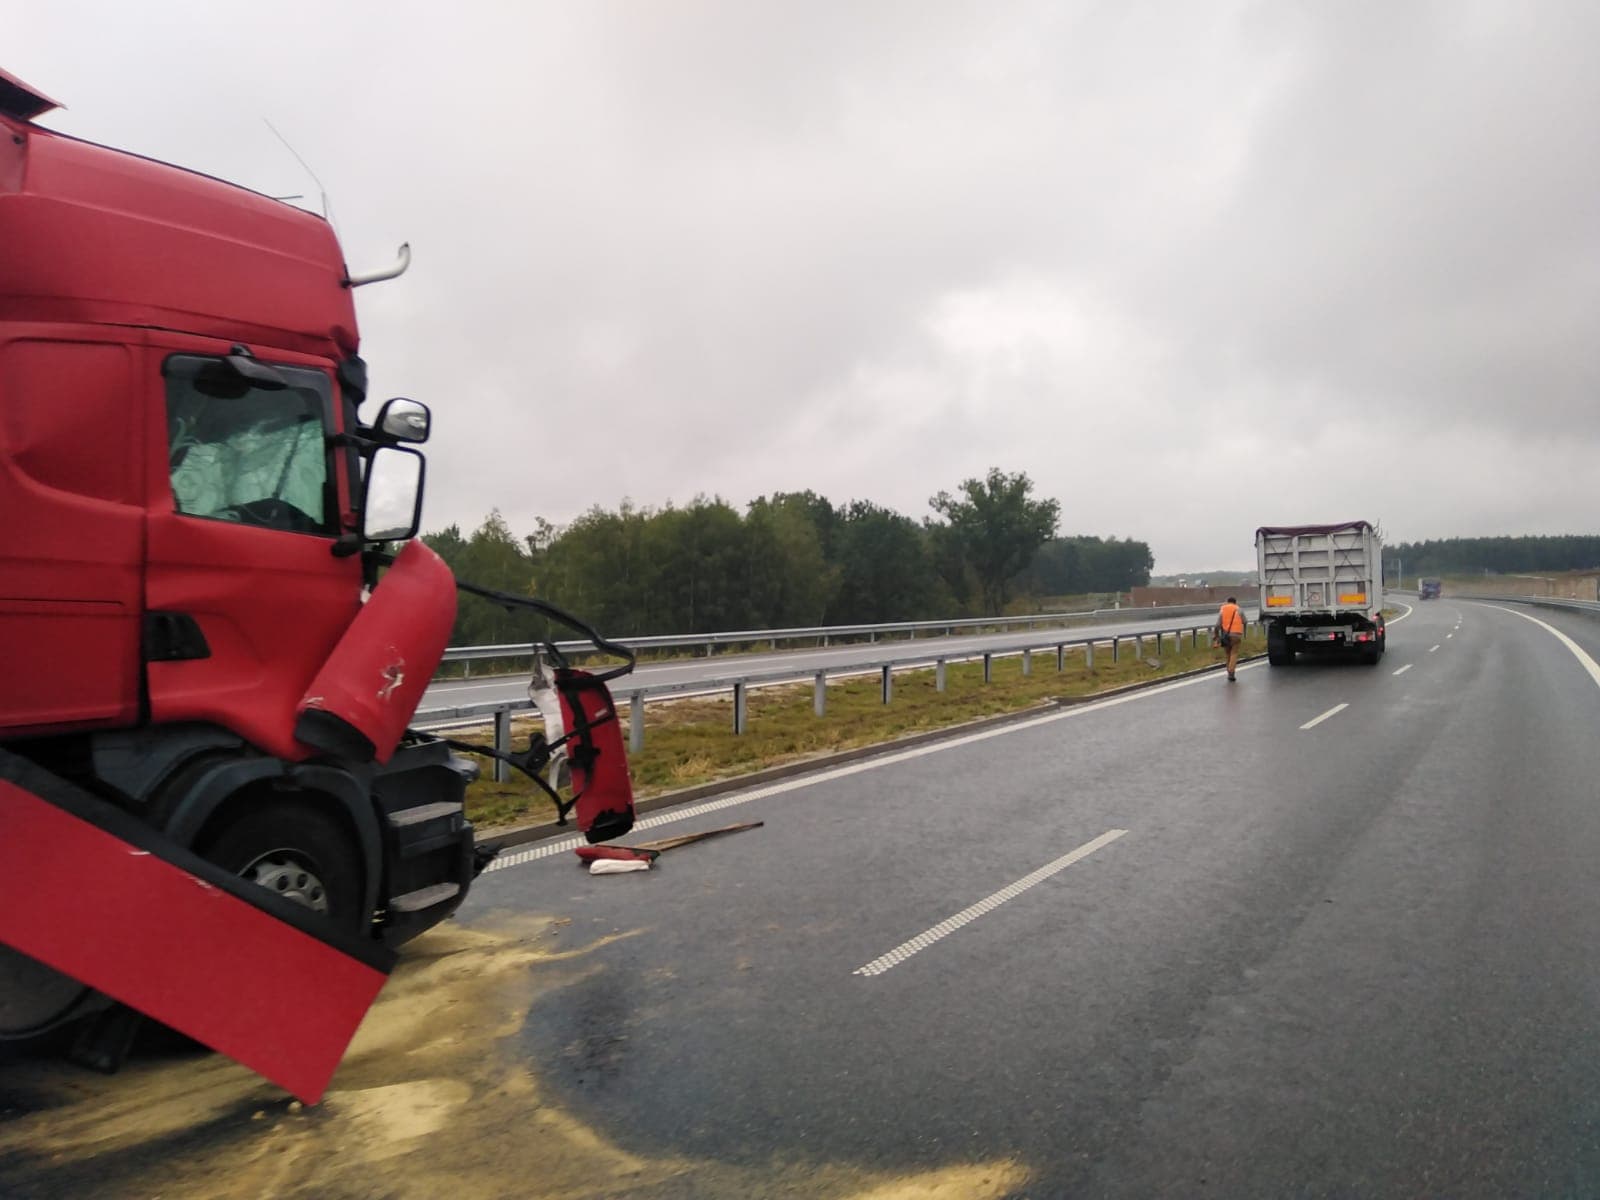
(1230, 632)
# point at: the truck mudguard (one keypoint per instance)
(363, 698)
(91, 891)
(602, 791)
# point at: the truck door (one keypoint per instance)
(246, 498)
(71, 530)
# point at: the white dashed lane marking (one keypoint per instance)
(988, 904)
(1431, 649)
(1334, 711)
(1403, 669)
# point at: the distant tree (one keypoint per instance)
(596, 569)
(788, 581)
(448, 544)
(995, 528)
(819, 510)
(1496, 555)
(695, 559)
(886, 571)
(492, 557)
(544, 536)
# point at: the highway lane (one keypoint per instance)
(456, 692)
(1350, 958)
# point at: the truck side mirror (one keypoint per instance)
(404, 420)
(393, 506)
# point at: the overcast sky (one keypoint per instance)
(1193, 266)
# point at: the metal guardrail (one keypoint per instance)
(823, 633)
(741, 683)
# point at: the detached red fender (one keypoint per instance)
(89, 890)
(598, 762)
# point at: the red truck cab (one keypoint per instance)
(190, 630)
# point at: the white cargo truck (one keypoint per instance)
(1321, 590)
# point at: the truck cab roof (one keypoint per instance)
(102, 236)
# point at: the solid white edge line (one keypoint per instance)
(1334, 711)
(1403, 669)
(668, 816)
(1578, 651)
(988, 904)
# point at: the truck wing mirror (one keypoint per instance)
(404, 420)
(393, 506)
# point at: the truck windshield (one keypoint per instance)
(240, 452)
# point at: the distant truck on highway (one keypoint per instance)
(1321, 590)
(1429, 589)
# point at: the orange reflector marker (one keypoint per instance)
(175, 937)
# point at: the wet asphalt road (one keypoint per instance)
(1350, 959)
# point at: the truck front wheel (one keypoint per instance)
(35, 999)
(298, 851)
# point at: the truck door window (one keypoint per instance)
(241, 452)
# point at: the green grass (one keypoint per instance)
(689, 742)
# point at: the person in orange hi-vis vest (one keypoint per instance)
(1230, 632)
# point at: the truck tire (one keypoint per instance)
(34, 999)
(1279, 652)
(298, 851)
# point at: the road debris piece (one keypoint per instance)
(618, 866)
(617, 859)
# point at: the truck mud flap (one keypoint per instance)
(87, 889)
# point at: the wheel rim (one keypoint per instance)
(285, 874)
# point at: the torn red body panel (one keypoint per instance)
(364, 696)
(174, 937)
(598, 762)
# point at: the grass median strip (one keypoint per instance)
(691, 741)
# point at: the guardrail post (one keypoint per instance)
(1138, 646)
(888, 682)
(1088, 655)
(819, 696)
(711, 649)
(635, 723)
(741, 714)
(1027, 658)
(938, 675)
(988, 668)
(872, 636)
(502, 743)
(466, 668)
(1061, 656)
(1116, 650)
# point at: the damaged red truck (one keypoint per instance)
(212, 808)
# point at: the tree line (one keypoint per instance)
(1496, 555)
(789, 559)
